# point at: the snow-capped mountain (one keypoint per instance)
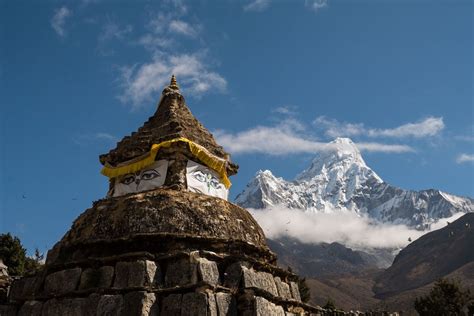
(339, 180)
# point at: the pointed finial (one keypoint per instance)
(174, 83)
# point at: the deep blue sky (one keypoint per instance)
(76, 76)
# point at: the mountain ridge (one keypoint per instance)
(338, 179)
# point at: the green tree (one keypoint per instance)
(13, 254)
(445, 298)
(33, 264)
(305, 293)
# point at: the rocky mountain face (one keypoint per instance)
(430, 257)
(326, 259)
(338, 179)
(444, 253)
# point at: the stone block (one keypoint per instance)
(139, 273)
(226, 304)
(140, 304)
(92, 304)
(211, 304)
(31, 308)
(25, 288)
(65, 307)
(283, 288)
(62, 282)
(265, 308)
(97, 278)
(233, 275)
(260, 280)
(181, 272)
(110, 305)
(171, 305)
(208, 271)
(195, 304)
(8, 310)
(295, 291)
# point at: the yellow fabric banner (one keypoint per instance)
(215, 163)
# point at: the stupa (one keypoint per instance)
(165, 240)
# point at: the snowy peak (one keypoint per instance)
(338, 180)
(342, 157)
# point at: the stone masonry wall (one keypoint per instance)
(185, 283)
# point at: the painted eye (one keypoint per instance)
(127, 179)
(200, 176)
(215, 183)
(150, 174)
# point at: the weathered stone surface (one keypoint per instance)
(101, 278)
(226, 305)
(211, 304)
(65, 307)
(140, 304)
(25, 288)
(8, 310)
(265, 308)
(136, 274)
(92, 303)
(295, 291)
(171, 305)
(172, 119)
(181, 272)
(63, 281)
(261, 280)
(233, 275)
(283, 288)
(195, 304)
(31, 308)
(110, 305)
(163, 211)
(208, 271)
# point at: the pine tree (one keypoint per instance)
(13, 254)
(445, 298)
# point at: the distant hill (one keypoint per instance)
(429, 258)
(324, 259)
(444, 253)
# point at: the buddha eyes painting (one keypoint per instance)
(203, 180)
(148, 178)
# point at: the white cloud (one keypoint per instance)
(316, 5)
(88, 138)
(257, 5)
(428, 127)
(111, 31)
(58, 20)
(340, 226)
(463, 158)
(181, 27)
(385, 148)
(141, 83)
(286, 110)
(287, 137)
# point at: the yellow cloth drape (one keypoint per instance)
(215, 163)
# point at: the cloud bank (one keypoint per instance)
(427, 127)
(142, 83)
(344, 227)
(288, 137)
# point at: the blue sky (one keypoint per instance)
(272, 79)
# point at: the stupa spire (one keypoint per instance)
(173, 83)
